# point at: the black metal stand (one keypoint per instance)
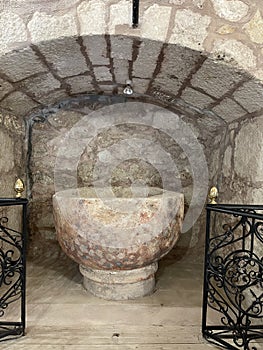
(12, 272)
(233, 278)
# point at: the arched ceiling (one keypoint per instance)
(188, 54)
(42, 75)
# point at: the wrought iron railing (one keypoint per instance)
(12, 270)
(233, 281)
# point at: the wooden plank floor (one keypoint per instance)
(62, 315)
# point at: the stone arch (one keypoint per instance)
(54, 56)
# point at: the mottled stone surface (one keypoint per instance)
(215, 78)
(119, 16)
(7, 157)
(12, 30)
(5, 88)
(41, 85)
(65, 57)
(145, 64)
(20, 65)
(229, 110)
(124, 229)
(184, 78)
(242, 178)
(195, 97)
(235, 52)
(58, 26)
(232, 10)
(102, 64)
(87, 12)
(102, 74)
(12, 161)
(159, 15)
(134, 154)
(96, 47)
(248, 156)
(254, 28)
(190, 29)
(80, 84)
(18, 103)
(185, 22)
(171, 76)
(250, 96)
(120, 284)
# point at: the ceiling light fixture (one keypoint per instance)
(128, 90)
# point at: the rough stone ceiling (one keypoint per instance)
(184, 53)
(41, 75)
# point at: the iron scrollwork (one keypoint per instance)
(233, 283)
(12, 273)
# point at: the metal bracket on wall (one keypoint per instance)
(135, 13)
(12, 271)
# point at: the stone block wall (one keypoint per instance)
(201, 58)
(12, 163)
(242, 168)
(231, 30)
(63, 155)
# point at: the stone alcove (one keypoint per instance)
(58, 65)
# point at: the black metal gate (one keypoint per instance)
(233, 280)
(12, 268)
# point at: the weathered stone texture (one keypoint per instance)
(229, 30)
(242, 167)
(80, 84)
(155, 22)
(11, 162)
(102, 74)
(121, 48)
(229, 110)
(121, 71)
(58, 26)
(175, 68)
(215, 78)
(248, 155)
(103, 64)
(18, 103)
(196, 98)
(190, 29)
(254, 28)
(141, 85)
(189, 23)
(41, 85)
(5, 88)
(53, 97)
(48, 141)
(228, 166)
(91, 15)
(250, 96)
(21, 64)
(7, 157)
(235, 52)
(64, 56)
(12, 30)
(120, 232)
(120, 14)
(146, 62)
(231, 10)
(96, 48)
